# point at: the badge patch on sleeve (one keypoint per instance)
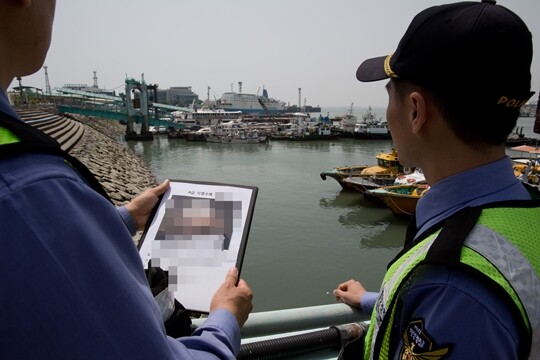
(417, 344)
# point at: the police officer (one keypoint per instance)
(73, 285)
(466, 284)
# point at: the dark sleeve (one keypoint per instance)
(74, 285)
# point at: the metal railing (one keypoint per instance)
(289, 320)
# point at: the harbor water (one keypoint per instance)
(307, 235)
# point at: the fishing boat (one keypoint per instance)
(517, 138)
(372, 128)
(235, 132)
(344, 125)
(417, 176)
(238, 137)
(372, 131)
(401, 199)
(385, 172)
(174, 133)
(295, 126)
(365, 183)
(319, 131)
(527, 168)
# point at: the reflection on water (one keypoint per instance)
(373, 223)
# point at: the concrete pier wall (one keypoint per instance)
(121, 172)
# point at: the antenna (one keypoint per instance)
(299, 98)
(47, 83)
(95, 79)
(239, 86)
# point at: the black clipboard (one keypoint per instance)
(197, 232)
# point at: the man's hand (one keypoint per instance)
(350, 292)
(236, 299)
(141, 207)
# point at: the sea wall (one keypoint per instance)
(121, 172)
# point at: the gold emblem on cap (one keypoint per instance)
(387, 69)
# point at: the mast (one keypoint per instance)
(536, 128)
(47, 83)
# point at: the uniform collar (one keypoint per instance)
(488, 183)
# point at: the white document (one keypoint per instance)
(198, 232)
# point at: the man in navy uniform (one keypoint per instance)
(466, 284)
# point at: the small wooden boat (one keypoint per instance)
(401, 199)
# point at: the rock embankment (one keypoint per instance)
(120, 171)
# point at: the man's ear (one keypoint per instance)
(418, 111)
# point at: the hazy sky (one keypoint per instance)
(279, 44)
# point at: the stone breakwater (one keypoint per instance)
(121, 172)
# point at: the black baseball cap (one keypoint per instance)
(478, 51)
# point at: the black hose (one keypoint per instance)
(291, 345)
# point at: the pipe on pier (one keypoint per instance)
(334, 337)
(306, 318)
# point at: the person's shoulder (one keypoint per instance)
(21, 171)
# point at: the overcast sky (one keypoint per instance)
(281, 45)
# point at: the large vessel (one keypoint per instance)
(204, 116)
(249, 103)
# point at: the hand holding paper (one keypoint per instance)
(234, 298)
(141, 207)
(198, 231)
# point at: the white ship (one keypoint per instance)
(249, 103)
(204, 116)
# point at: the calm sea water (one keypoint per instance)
(307, 235)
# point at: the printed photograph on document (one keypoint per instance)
(199, 231)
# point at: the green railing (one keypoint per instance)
(114, 115)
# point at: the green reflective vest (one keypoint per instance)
(500, 242)
(18, 137)
(7, 137)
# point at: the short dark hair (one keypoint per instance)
(473, 124)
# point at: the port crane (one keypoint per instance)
(266, 111)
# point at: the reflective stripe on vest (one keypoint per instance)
(7, 137)
(513, 264)
(392, 279)
(18, 137)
